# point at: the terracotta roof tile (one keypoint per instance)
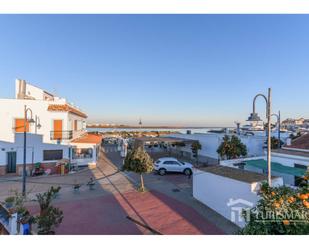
(88, 138)
(66, 108)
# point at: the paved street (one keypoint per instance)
(115, 207)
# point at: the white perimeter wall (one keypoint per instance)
(211, 141)
(216, 191)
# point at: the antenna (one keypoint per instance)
(140, 122)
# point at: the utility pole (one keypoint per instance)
(269, 137)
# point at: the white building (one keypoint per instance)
(56, 132)
(211, 141)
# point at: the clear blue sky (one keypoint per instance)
(167, 69)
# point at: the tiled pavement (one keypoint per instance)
(105, 209)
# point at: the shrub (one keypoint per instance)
(281, 210)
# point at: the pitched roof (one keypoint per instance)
(66, 108)
(88, 138)
(301, 143)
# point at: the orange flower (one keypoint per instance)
(273, 193)
(281, 201)
(303, 196)
(291, 199)
(276, 205)
(306, 203)
(286, 222)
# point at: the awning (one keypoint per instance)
(277, 167)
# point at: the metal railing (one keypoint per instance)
(61, 135)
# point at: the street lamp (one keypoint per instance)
(30, 121)
(278, 116)
(255, 117)
(37, 124)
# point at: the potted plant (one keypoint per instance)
(9, 201)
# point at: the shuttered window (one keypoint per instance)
(20, 125)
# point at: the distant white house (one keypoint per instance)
(58, 128)
(211, 141)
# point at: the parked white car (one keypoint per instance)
(171, 164)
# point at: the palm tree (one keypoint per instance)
(195, 147)
(231, 148)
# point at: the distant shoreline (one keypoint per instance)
(154, 127)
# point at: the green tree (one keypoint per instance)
(275, 143)
(138, 161)
(195, 147)
(280, 210)
(49, 217)
(231, 148)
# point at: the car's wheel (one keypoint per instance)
(162, 172)
(187, 172)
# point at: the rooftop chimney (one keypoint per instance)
(21, 94)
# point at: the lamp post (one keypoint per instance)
(37, 124)
(255, 117)
(26, 111)
(278, 116)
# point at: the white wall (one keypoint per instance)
(211, 141)
(35, 148)
(10, 109)
(216, 191)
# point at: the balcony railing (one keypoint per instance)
(61, 135)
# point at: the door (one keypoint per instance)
(75, 125)
(11, 162)
(58, 129)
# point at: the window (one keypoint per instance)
(79, 153)
(20, 125)
(75, 125)
(51, 155)
(170, 162)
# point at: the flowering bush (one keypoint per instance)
(281, 210)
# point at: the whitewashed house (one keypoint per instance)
(54, 136)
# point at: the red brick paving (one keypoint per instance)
(107, 215)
